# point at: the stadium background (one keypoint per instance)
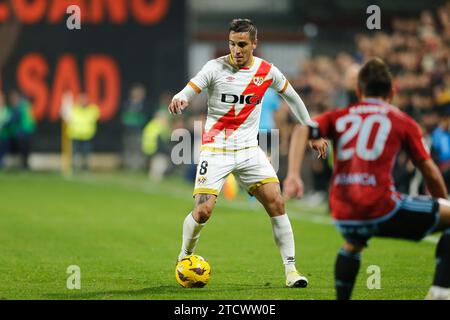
(161, 44)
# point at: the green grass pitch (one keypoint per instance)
(124, 233)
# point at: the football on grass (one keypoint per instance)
(192, 272)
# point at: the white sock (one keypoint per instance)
(284, 238)
(438, 293)
(191, 233)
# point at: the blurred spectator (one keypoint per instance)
(194, 123)
(134, 117)
(156, 144)
(403, 173)
(5, 120)
(22, 126)
(81, 118)
(441, 145)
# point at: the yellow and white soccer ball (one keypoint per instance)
(193, 272)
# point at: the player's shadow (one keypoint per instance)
(158, 292)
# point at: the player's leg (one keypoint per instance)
(86, 150)
(269, 195)
(76, 150)
(348, 259)
(416, 218)
(346, 268)
(258, 175)
(212, 170)
(195, 221)
(441, 281)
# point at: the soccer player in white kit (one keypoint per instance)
(236, 84)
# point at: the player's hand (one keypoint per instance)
(292, 187)
(320, 145)
(176, 106)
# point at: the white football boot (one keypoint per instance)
(438, 293)
(295, 280)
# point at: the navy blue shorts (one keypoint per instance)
(413, 219)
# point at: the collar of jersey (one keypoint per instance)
(231, 61)
(378, 102)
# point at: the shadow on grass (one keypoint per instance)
(160, 292)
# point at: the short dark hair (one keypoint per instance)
(244, 25)
(375, 79)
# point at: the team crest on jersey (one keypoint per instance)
(201, 180)
(258, 80)
(230, 78)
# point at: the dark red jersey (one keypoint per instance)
(366, 139)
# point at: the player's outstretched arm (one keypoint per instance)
(293, 185)
(297, 106)
(180, 101)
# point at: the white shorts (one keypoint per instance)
(250, 166)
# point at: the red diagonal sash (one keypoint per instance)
(230, 121)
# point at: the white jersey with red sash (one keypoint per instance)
(234, 100)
